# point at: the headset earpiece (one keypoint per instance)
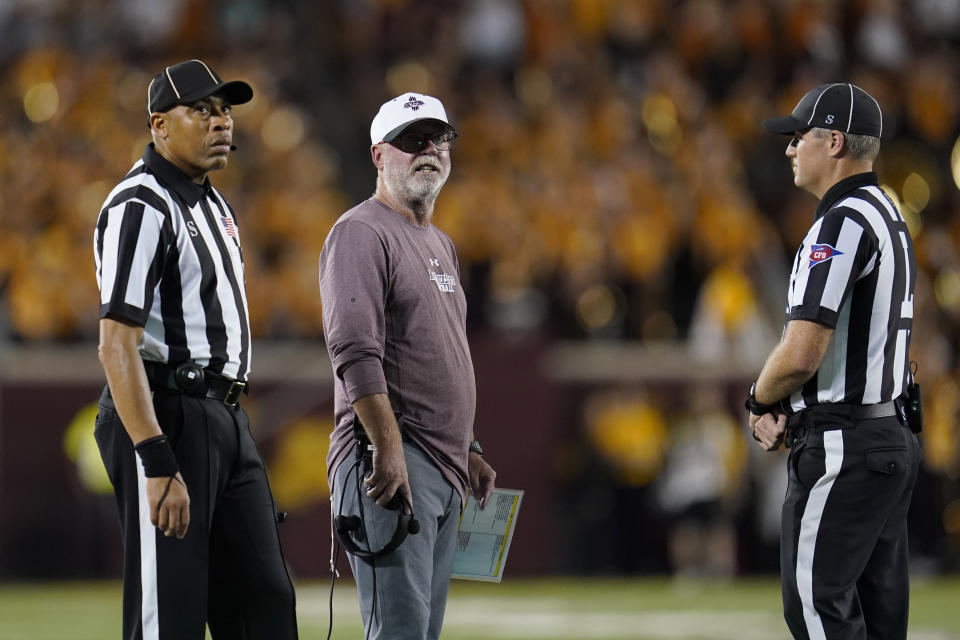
(350, 528)
(346, 524)
(413, 525)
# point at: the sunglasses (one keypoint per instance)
(415, 141)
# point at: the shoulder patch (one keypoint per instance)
(821, 253)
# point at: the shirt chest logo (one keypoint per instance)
(822, 253)
(445, 282)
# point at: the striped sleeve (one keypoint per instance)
(130, 254)
(838, 251)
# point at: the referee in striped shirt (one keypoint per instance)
(198, 520)
(833, 385)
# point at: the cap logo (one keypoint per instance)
(822, 253)
(830, 119)
(413, 103)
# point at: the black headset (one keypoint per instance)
(350, 528)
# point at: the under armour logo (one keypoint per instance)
(413, 103)
(434, 262)
(830, 119)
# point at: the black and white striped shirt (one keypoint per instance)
(855, 272)
(168, 259)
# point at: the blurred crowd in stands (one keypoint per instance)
(611, 180)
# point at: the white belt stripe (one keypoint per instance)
(149, 610)
(810, 527)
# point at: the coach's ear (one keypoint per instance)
(376, 153)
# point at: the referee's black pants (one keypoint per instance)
(228, 571)
(843, 547)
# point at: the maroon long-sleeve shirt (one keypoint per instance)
(394, 317)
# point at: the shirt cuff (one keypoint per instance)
(123, 311)
(364, 378)
(815, 313)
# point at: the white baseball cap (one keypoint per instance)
(397, 114)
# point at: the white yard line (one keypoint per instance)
(540, 617)
(652, 625)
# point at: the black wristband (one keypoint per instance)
(758, 408)
(157, 457)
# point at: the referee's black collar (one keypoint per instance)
(174, 178)
(842, 188)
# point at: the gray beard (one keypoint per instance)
(419, 201)
(422, 208)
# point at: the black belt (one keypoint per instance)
(870, 411)
(799, 423)
(853, 411)
(189, 378)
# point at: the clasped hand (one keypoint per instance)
(768, 430)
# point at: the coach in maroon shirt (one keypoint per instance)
(394, 318)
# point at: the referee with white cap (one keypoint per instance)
(198, 520)
(838, 387)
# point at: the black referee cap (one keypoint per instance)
(841, 106)
(190, 81)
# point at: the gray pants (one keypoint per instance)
(411, 582)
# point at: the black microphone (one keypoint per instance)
(233, 147)
(345, 524)
(396, 504)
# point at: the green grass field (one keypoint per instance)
(641, 609)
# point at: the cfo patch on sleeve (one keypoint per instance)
(821, 253)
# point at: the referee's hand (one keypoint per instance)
(768, 430)
(169, 505)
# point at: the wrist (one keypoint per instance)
(476, 448)
(157, 457)
(756, 407)
(387, 438)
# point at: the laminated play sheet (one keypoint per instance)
(484, 536)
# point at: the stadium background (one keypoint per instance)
(623, 224)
